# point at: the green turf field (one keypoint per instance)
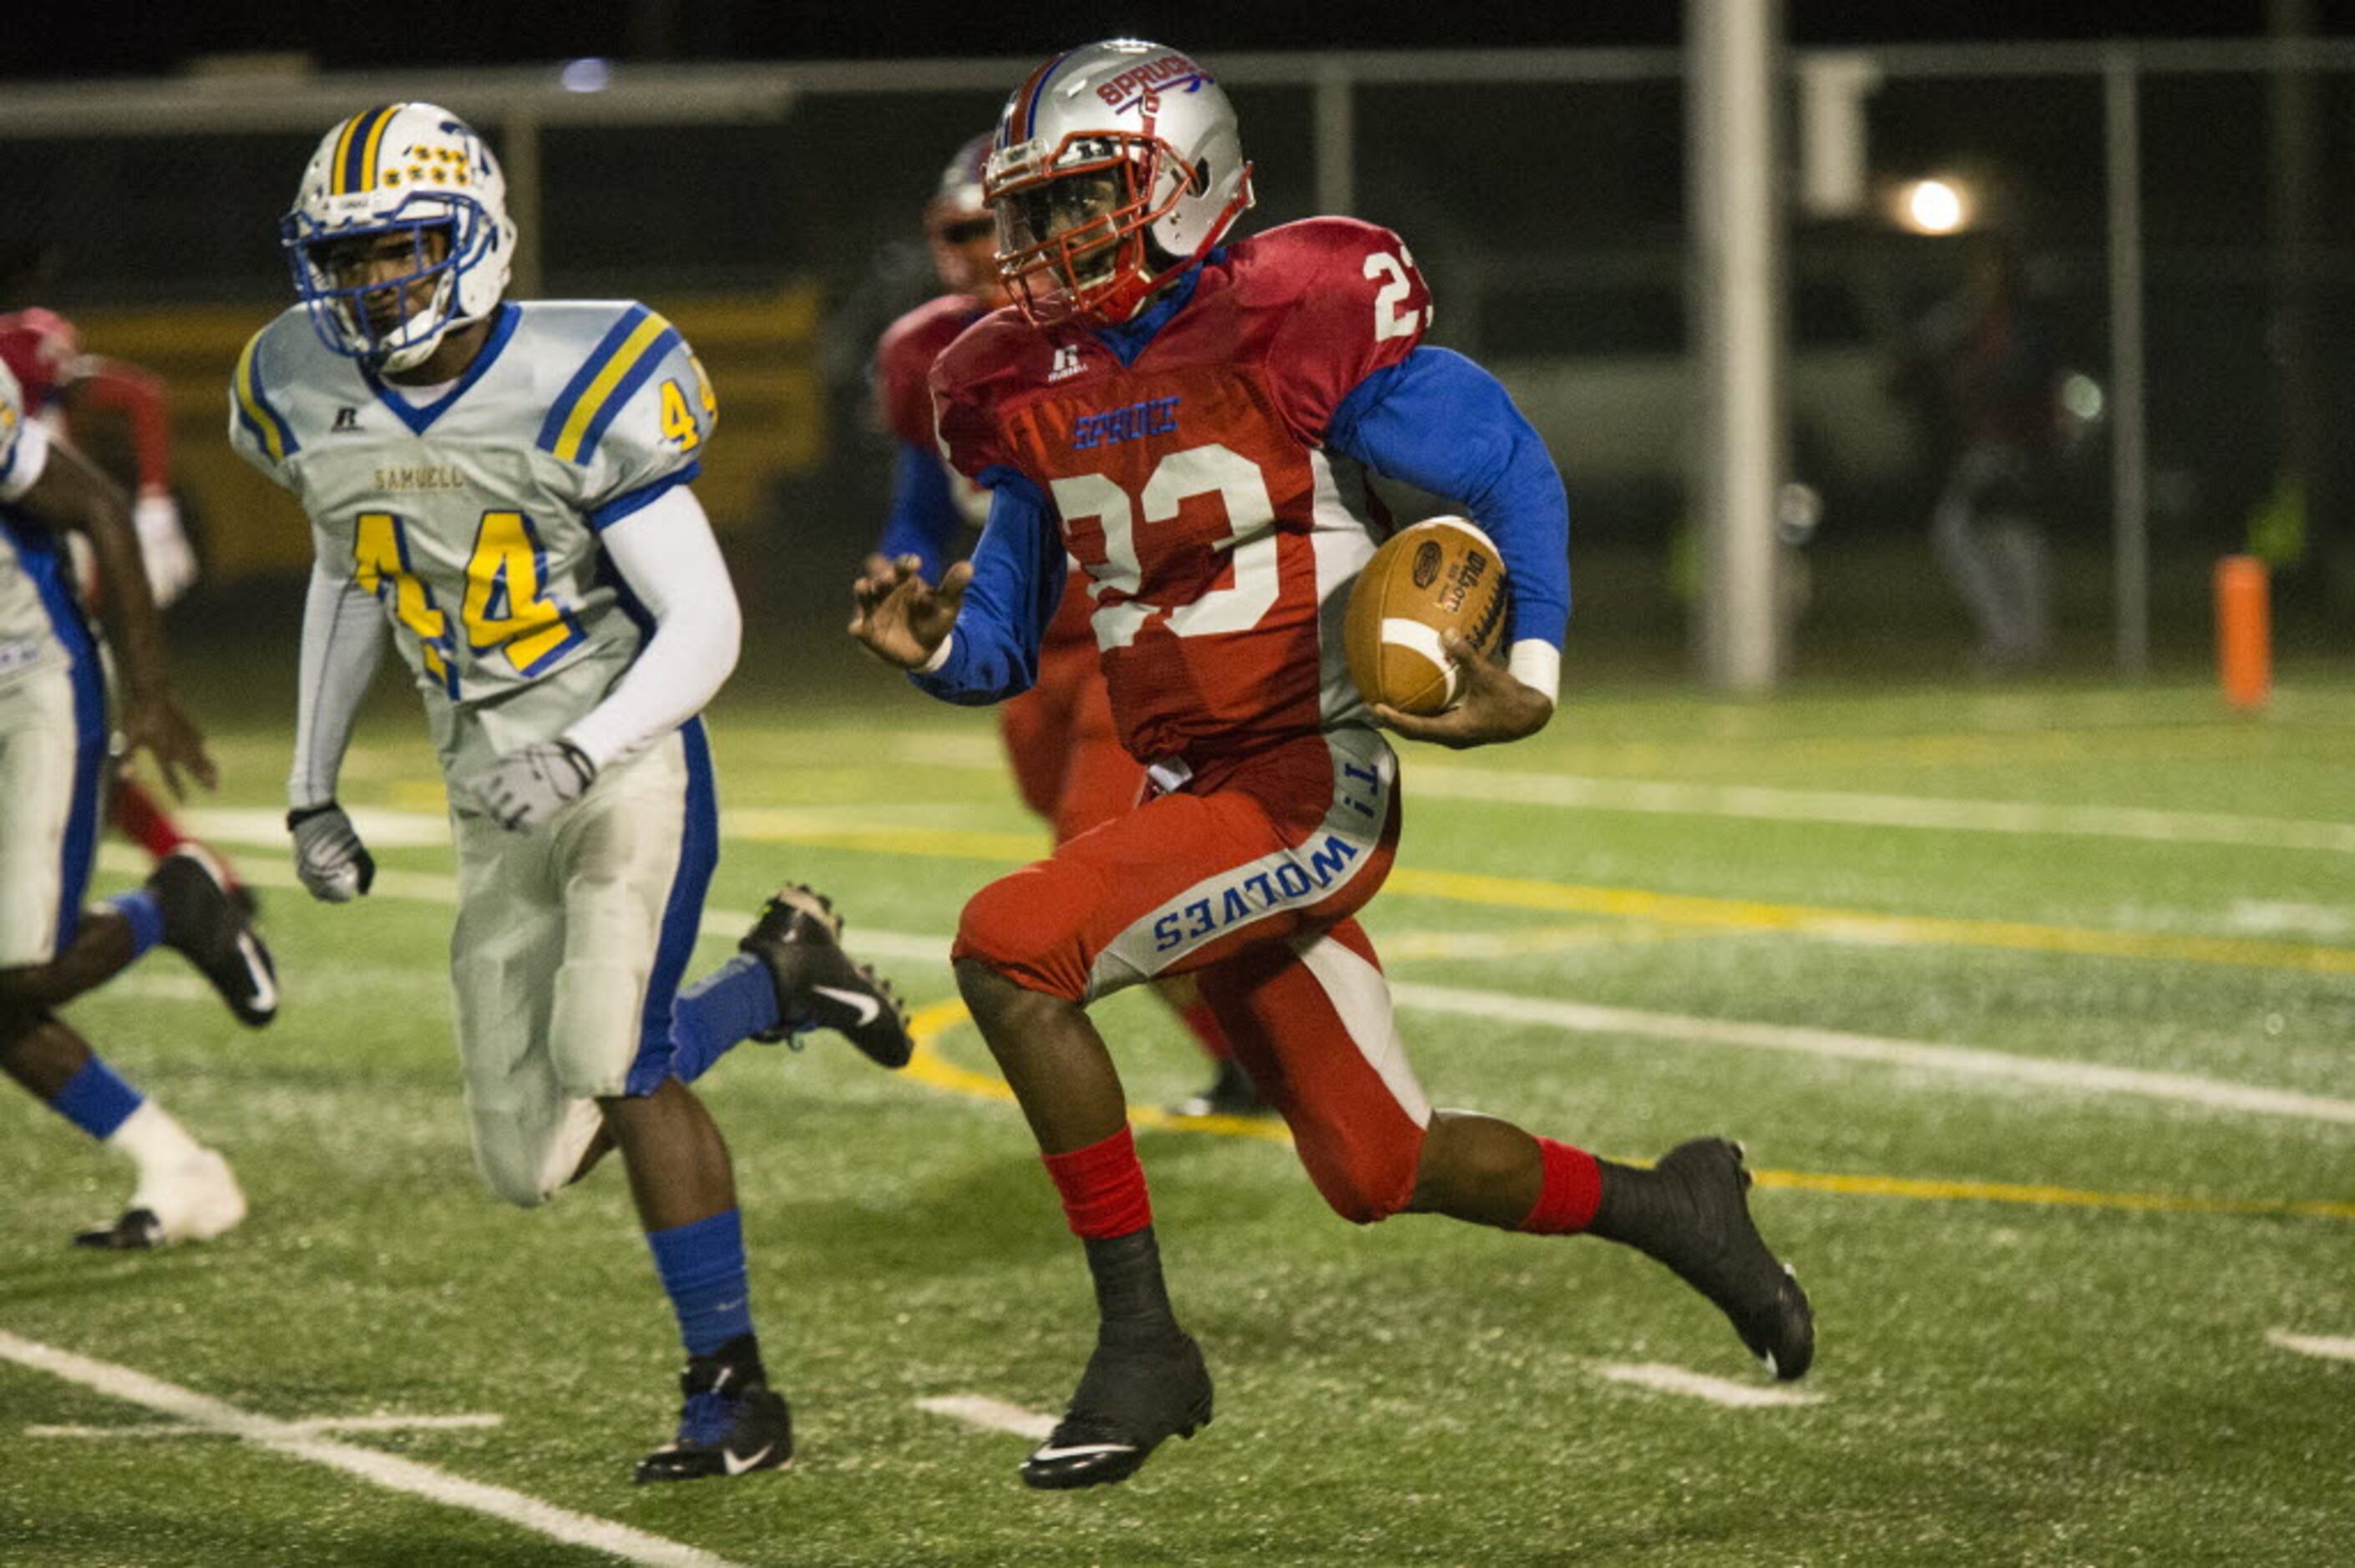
(2033, 1005)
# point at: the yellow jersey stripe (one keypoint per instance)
(611, 376)
(259, 416)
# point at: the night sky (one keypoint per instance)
(137, 37)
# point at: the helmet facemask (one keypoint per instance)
(392, 309)
(1074, 224)
(399, 235)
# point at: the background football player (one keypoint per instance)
(1193, 422)
(504, 488)
(62, 385)
(1058, 735)
(53, 775)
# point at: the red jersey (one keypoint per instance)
(1192, 484)
(903, 400)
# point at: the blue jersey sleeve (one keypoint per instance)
(923, 519)
(1440, 423)
(1017, 581)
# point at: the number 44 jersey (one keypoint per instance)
(1190, 473)
(471, 511)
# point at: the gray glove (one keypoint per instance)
(328, 855)
(525, 788)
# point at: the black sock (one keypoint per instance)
(1639, 1207)
(1130, 1298)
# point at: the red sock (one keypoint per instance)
(141, 816)
(1103, 1187)
(1568, 1194)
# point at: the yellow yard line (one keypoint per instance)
(933, 1070)
(1858, 926)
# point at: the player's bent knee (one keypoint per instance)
(1027, 928)
(1365, 1191)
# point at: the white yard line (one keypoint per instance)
(2082, 1077)
(2085, 1077)
(306, 1428)
(386, 1470)
(1573, 791)
(980, 1409)
(2323, 1345)
(1662, 1379)
(1758, 803)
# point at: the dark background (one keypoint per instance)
(115, 37)
(1551, 219)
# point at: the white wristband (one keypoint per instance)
(1537, 665)
(940, 655)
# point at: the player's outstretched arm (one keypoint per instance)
(901, 618)
(72, 495)
(344, 636)
(1495, 706)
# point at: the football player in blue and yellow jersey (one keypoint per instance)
(504, 490)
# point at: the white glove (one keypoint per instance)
(328, 855)
(162, 545)
(525, 788)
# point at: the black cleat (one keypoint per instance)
(1230, 1093)
(1129, 1400)
(732, 1424)
(798, 937)
(138, 1231)
(201, 921)
(1692, 1212)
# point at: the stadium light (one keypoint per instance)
(1937, 205)
(589, 74)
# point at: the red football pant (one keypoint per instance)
(1072, 770)
(1246, 881)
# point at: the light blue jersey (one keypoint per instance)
(471, 511)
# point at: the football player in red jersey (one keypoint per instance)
(1058, 735)
(1193, 420)
(44, 351)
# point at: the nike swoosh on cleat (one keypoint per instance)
(737, 1467)
(265, 993)
(867, 1005)
(1081, 1450)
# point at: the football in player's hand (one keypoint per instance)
(1439, 576)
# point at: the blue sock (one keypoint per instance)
(95, 1100)
(733, 1003)
(145, 913)
(702, 1268)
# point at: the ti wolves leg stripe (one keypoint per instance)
(386, 1470)
(1357, 993)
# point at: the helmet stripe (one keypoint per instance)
(343, 151)
(374, 141)
(352, 150)
(1028, 93)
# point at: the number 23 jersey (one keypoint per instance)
(471, 511)
(1191, 478)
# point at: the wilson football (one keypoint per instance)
(1442, 574)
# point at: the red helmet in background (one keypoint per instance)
(962, 233)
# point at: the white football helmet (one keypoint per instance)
(410, 171)
(1117, 165)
